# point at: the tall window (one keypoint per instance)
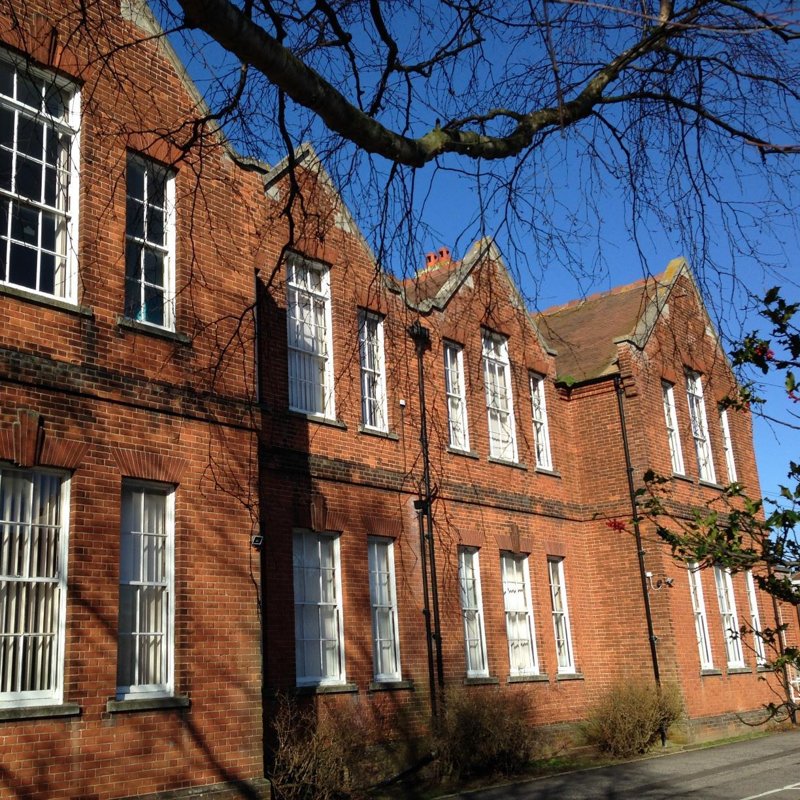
(472, 609)
(308, 320)
(541, 434)
(727, 444)
(697, 415)
(39, 117)
(150, 243)
(561, 627)
(383, 598)
(519, 615)
(730, 622)
(146, 590)
(373, 371)
(671, 420)
(319, 643)
(33, 586)
(755, 618)
(700, 620)
(499, 401)
(455, 388)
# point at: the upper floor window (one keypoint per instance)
(700, 619)
(727, 445)
(308, 321)
(383, 598)
(755, 618)
(150, 243)
(318, 636)
(146, 595)
(39, 117)
(469, 573)
(697, 415)
(455, 389)
(541, 433)
(671, 420)
(33, 586)
(499, 400)
(561, 626)
(730, 621)
(373, 371)
(519, 614)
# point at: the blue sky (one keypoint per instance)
(579, 225)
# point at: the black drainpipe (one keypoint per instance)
(638, 536)
(422, 343)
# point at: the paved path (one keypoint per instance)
(767, 768)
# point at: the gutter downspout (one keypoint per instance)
(422, 343)
(638, 537)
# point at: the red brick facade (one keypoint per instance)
(110, 404)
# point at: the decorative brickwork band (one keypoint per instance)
(149, 466)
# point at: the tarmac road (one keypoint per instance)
(767, 768)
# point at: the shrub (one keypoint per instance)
(483, 733)
(628, 720)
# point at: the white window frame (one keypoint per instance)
(139, 284)
(135, 491)
(374, 407)
(700, 618)
(469, 575)
(499, 397)
(673, 433)
(383, 601)
(755, 618)
(697, 415)
(520, 626)
(12, 507)
(456, 393)
(541, 429)
(306, 543)
(727, 446)
(562, 630)
(309, 357)
(65, 207)
(729, 618)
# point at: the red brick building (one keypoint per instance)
(417, 455)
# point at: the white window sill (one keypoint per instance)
(153, 330)
(506, 463)
(480, 680)
(45, 300)
(390, 686)
(39, 712)
(709, 672)
(569, 676)
(318, 418)
(457, 451)
(739, 669)
(381, 434)
(326, 688)
(537, 677)
(147, 704)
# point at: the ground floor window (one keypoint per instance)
(319, 641)
(383, 599)
(561, 626)
(33, 583)
(146, 596)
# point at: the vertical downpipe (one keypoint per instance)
(422, 343)
(638, 537)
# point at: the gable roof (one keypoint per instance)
(585, 333)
